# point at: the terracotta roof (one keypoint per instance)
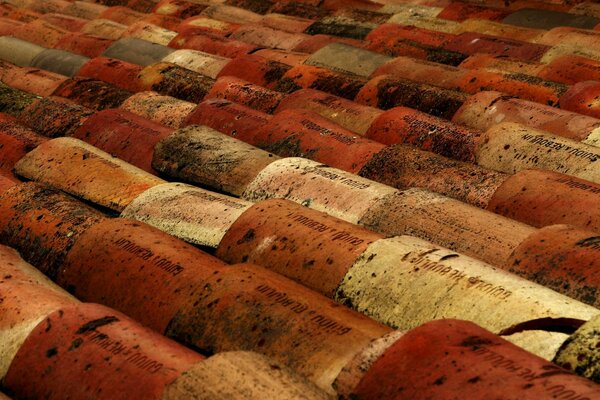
(299, 199)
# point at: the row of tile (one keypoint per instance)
(386, 39)
(79, 249)
(569, 157)
(56, 347)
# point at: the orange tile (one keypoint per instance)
(124, 135)
(348, 114)
(426, 132)
(86, 349)
(255, 69)
(111, 70)
(86, 171)
(557, 254)
(245, 93)
(441, 358)
(211, 43)
(43, 224)
(230, 118)
(33, 80)
(301, 133)
(542, 198)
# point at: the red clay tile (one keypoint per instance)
(43, 224)
(15, 141)
(326, 80)
(54, 116)
(441, 358)
(104, 28)
(571, 69)
(303, 244)
(386, 36)
(499, 30)
(204, 156)
(522, 86)
(291, 58)
(314, 43)
(33, 80)
(211, 43)
(542, 198)
(230, 118)
(178, 8)
(582, 98)
(6, 9)
(20, 283)
(459, 11)
(41, 32)
(83, 44)
(557, 254)
(486, 109)
(504, 64)
(24, 15)
(122, 15)
(120, 262)
(471, 43)
(172, 80)
(67, 22)
(164, 110)
(137, 51)
(298, 133)
(308, 332)
(124, 135)
(571, 36)
(421, 71)
(114, 351)
(387, 91)
(245, 93)
(165, 21)
(288, 23)
(406, 125)
(256, 69)
(111, 70)
(86, 171)
(348, 114)
(8, 26)
(144, 6)
(92, 93)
